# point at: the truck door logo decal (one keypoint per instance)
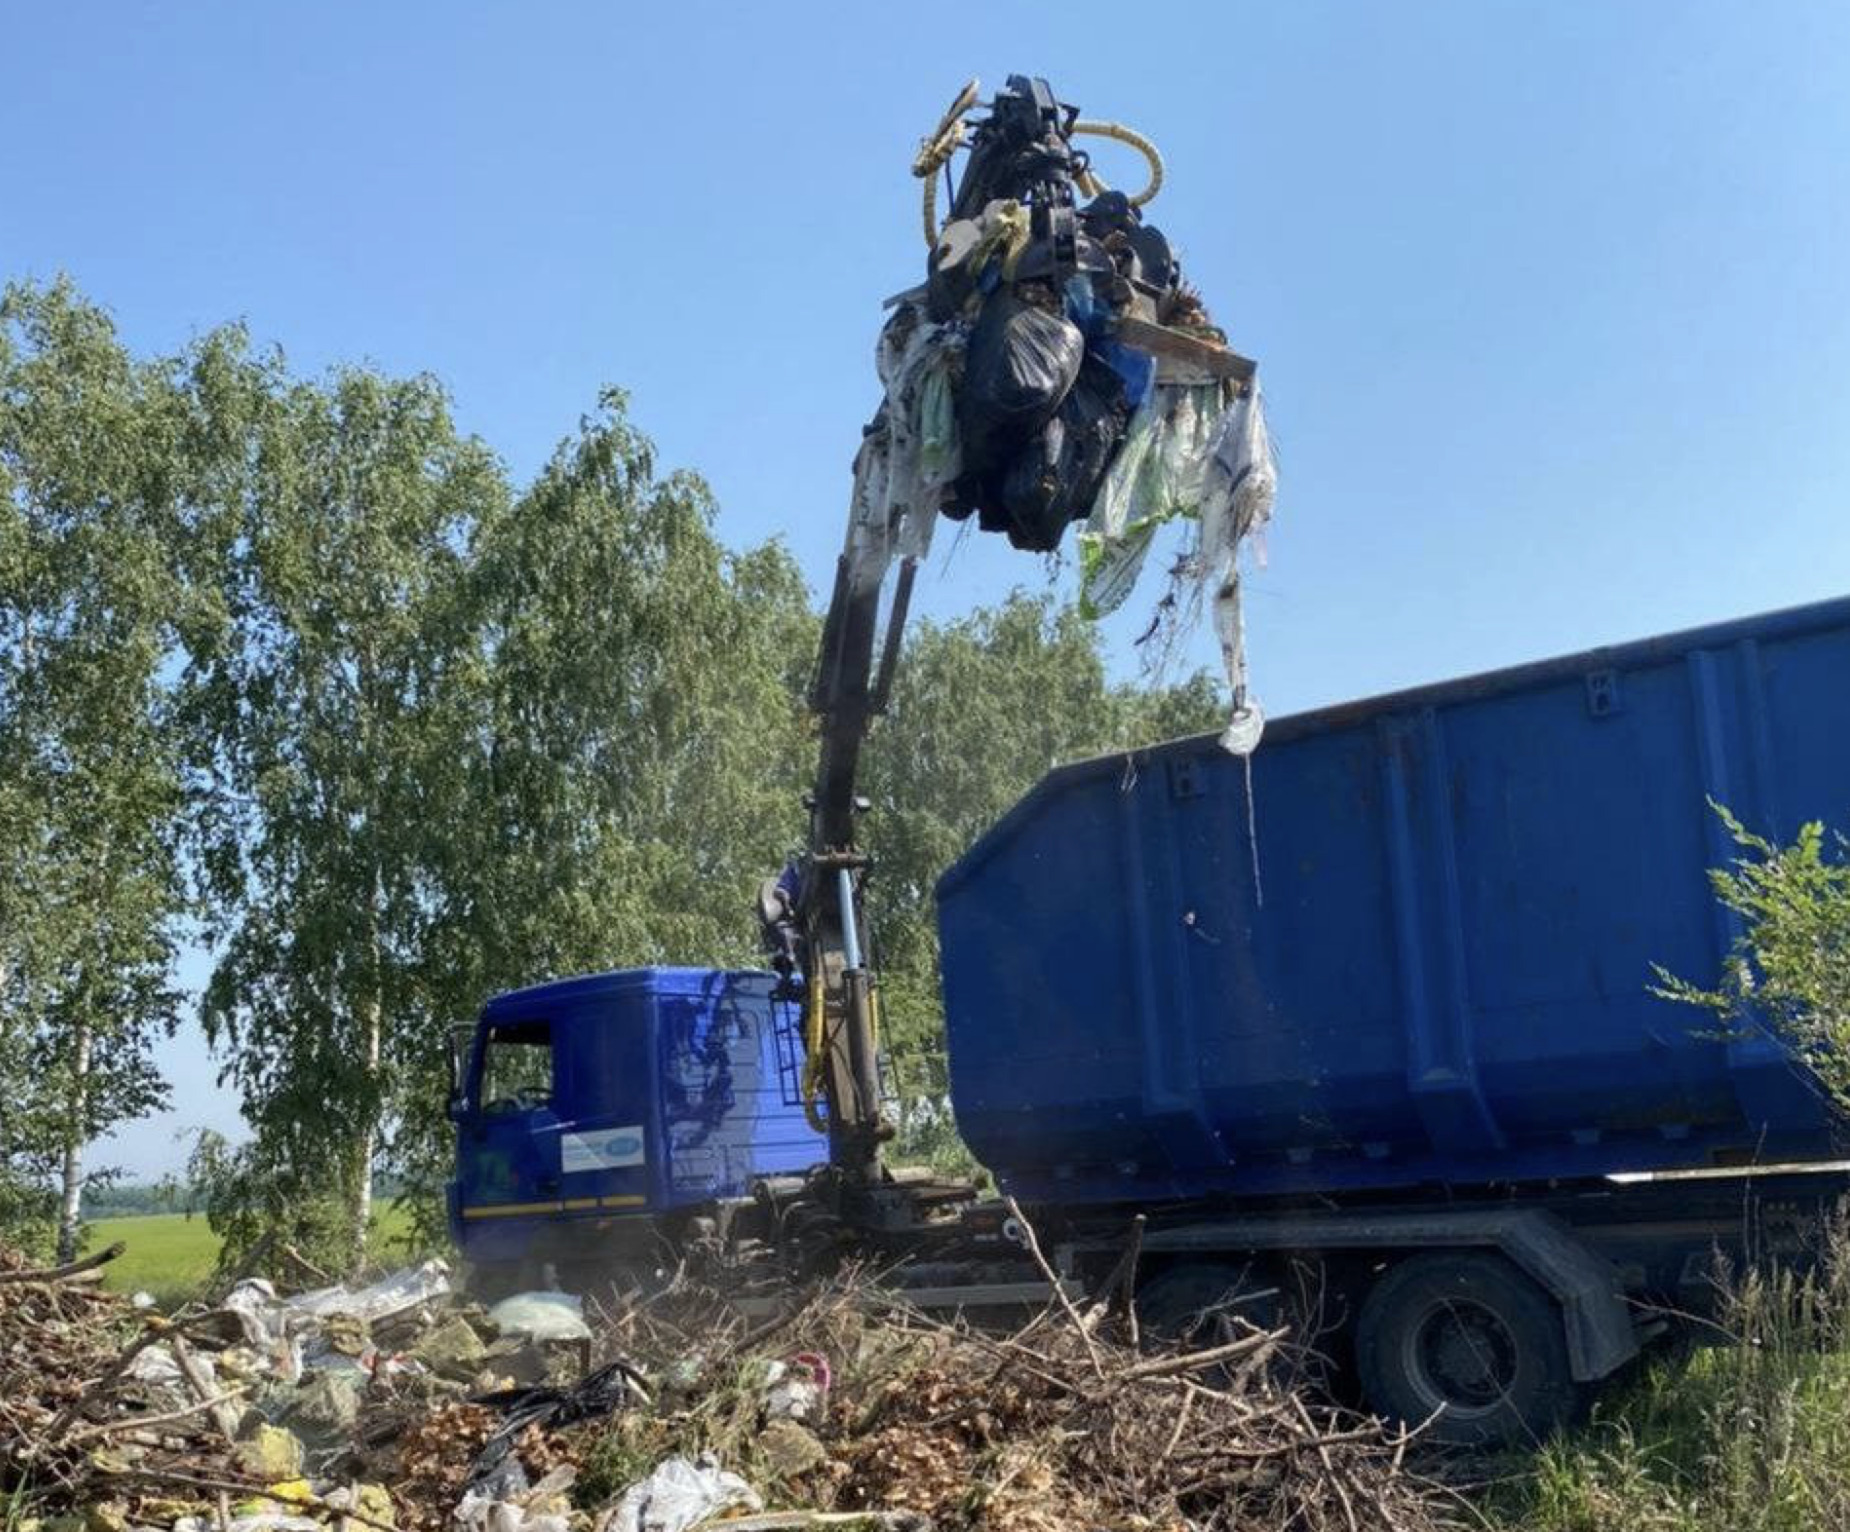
(604, 1149)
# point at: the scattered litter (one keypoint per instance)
(451, 1350)
(271, 1453)
(541, 1508)
(680, 1494)
(324, 1410)
(394, 1294)
(269, 1320)
(259, 1521)
(798, 1389)
(790, 1450)
(158, 1366)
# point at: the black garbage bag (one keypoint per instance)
(1053, 479)
(1019, 365)
(612, 1387)
(1030, 490)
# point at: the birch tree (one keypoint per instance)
(335, 763)
(91, 478)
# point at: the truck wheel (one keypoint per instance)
(1187, 1299)
(1470, 1333)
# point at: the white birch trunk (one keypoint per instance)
(70, 1202)
(368, 1145)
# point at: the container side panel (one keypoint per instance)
(1583, 860)
(1299, 1041)
(1804, 684)
(1436, 962)
(1045, 990)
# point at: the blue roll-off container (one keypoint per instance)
(1414, 945)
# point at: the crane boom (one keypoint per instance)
(849, 691)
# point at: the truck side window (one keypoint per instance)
(517, 1068)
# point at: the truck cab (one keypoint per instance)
(593, 1113)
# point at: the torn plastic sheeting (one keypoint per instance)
(912, 450)
(269, 1320)
(680, 1495)
(1158, 475)
(157, 1365)
(1200, 452)
(1241, 484)
(392, 1294)
(542, 1316)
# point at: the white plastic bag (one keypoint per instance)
(542, 1316)
(680, 1495)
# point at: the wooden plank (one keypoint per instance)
(1176, 345)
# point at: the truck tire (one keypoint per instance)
(1184, 1300)
(1467, 1335)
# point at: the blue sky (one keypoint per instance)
(1552, 302)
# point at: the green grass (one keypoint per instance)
(171, 1255)
(1748, 1437)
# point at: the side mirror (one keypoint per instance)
(459, 1039)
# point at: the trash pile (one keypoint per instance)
(1055, 367)
(401, 1407)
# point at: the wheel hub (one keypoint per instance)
(1466, 1356)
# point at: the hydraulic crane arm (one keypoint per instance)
(841, 1000)
(1022, 151)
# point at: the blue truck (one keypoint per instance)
(1370, 1016)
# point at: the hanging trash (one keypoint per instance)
(1055, 367)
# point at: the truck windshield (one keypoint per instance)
(517, 1067)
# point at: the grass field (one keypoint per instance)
(171, 1255)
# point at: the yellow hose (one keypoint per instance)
(935, 149)
(1138, 142)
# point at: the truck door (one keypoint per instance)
(510, 1131)
(606, 1105)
